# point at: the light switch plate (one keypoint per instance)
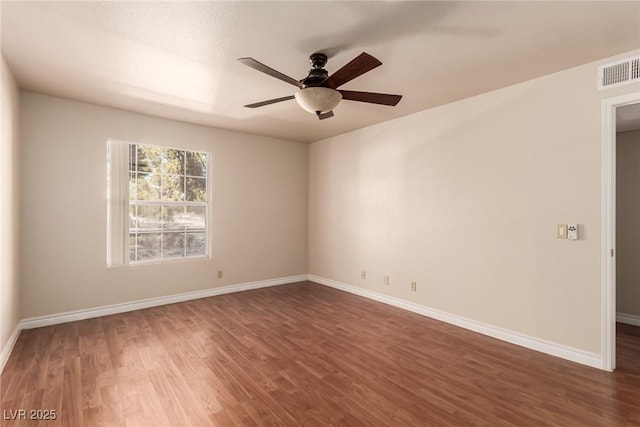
(561, 231)
(572, 231)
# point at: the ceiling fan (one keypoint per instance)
(318, 92)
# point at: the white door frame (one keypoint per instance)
(608, 299)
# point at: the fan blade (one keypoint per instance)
(373, 98)
(357, 67)
(326, 115)
(271, 101)
(250, 62)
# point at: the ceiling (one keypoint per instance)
(179, 59)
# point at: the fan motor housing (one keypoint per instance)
(317, 74)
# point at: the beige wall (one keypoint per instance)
(9, 203)
(627, 225)
(465, 198)
(259, 207)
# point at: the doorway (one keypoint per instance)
(610, 109)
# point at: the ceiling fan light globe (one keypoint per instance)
(318, 100)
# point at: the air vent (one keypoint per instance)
(619, 73)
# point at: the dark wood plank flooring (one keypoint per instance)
(303, 355)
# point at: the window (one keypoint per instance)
(166, 199)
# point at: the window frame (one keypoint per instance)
(118, 221)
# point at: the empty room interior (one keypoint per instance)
(319, 213)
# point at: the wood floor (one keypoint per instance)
(303, 355)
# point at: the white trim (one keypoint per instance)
(608, 260)
(71, 316)
(8, 346)
(628, 319)
(117, 202)
(554, 349)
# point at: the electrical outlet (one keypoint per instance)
(386, 280)
(413, 286)
(220, 275)
(363, 274)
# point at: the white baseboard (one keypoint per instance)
(543, 346)
(8, 347)
(629, 319)
(71, 316)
